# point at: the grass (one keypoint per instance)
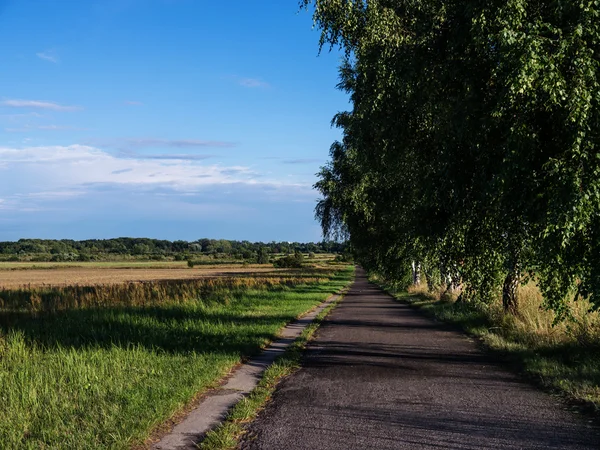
(228, 434)
(105, 376)
(564, 358)
(141, 293)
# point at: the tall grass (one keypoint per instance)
(94, 371)
(139, 293)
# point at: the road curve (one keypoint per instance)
(380, 375)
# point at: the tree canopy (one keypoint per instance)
(472, 147)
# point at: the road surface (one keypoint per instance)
(381, 375)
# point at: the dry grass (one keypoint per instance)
(147, 293)
(99, 275)
(27, 265)
(534, 325)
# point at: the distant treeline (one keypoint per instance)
(144, 248)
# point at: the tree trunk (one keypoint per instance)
(510, 301)
(416, 273)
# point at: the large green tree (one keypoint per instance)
(471, 146)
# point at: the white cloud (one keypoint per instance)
(48, 55)
(79, 165)
(63, 185)
(36, 104)
(133, 103)
(130, 145)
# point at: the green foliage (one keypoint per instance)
(472, 142)
(294, 261)
(345, 257)
(263, 256)
(153, 249)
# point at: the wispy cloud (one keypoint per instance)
(180, 157)
(84, 164)
(302, 161)
(36, 104)
(133, 103)
(48, 55)
(20, 116)
(253, 83)
(131, 144)
(56, 127)
(178, 143)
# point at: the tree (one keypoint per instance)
(471, 146)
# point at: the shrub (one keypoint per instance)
(345, 257)
(291, 261)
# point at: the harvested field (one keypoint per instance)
(28, 265)
(99, 275)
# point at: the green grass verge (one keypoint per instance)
(567, 368)
(227, 435)
(105, 378)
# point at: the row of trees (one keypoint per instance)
(472, 150)
(143, 247)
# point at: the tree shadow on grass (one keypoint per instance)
(171, 328)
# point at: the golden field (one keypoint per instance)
(40, 274)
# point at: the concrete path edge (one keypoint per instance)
(216, 403)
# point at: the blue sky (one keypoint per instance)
(174, 119)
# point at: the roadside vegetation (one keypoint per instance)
(103, 366)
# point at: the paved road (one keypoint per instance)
(380, 375)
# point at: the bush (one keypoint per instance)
(85, 257)
(291, 261)
(345, 257)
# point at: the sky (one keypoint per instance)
(171, 119)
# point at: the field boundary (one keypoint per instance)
(217, 402)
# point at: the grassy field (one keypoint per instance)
(98, 371)
(563, 357)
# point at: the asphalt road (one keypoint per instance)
(380, 375)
